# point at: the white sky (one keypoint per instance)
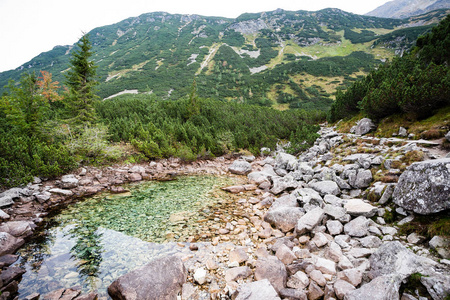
(30, 27)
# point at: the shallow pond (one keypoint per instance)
(93, 242)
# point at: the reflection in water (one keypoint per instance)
(92, 243)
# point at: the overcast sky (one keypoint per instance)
(29, 27)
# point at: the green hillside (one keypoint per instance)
(280, 58)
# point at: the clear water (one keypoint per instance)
(92, 243)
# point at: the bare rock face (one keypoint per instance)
(424, 187)
(163, 278)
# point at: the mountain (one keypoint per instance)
(400, 9)
(278, 58)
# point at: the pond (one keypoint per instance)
(93, 242)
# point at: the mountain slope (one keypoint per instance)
(280, 58)
(400, 9)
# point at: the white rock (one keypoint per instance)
(200, 276)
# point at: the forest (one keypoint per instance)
(416, 84)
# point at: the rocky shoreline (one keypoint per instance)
(301, 228)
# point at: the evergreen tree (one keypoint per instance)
(81, 80)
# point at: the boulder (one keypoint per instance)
(273, 270)
(162, 278)
(240, 167)
(363, 126)
(362, 179)
(258, 290)
(8, 196)
(358, 227)
(310, 220)
(18, 228)
(326, 187)
(69, 181)
(285, 161)
(424, 187)
(9, 244)
(281, 184)
(284, 218)
(381, 288)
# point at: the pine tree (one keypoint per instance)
(81, 80)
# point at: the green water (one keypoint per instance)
(92, 243)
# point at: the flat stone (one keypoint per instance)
(326, 187)
(285, 255)
(357, 207)
(240, 167)
(61, 192)
(238, 255)
(237, 273)
(318, 277)
(9, 244)
(69, 181)
(326, 266)
(342, 288)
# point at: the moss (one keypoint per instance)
(428, 226)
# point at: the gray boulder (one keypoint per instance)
(310, 220)
(8, 196)
(162, 278)
(362, 179)
(358, 227)
(424, 187)
(69, 181)
(357, 207)
(258, 290)
(326, 187)
(281, 184)
(364, 126)
(240, 167)
(285, 161)
(284, 218)
(18, 228)
(381, 288)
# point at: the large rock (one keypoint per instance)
(424, 187)
(9, 244)
(69, 181)
(281, 184)
(381, 288)
(162, 278)
(18, 228)
(273, 270)
(358, 227)
(8, 196)
(363, 126)
(285, 161)
(284, 218)
(258, 290)
(310, 220)
(240, 167)
(326, 187)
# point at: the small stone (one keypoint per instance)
(414, 238)
(200, 276)
(238, 255)
(326, 266)
(193, 247)
(314, 291)
(352, 276)
(334, 227)
(320, 239)
(298, 281)
(357, 207)
(258, 290)
(358, 227)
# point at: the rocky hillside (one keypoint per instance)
(400, 9)
(344, 220)
(282, 58)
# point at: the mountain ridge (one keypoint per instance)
(267, 58)
(400, 9)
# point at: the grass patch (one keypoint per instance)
(428, 226)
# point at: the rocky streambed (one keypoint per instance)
(324, 225)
